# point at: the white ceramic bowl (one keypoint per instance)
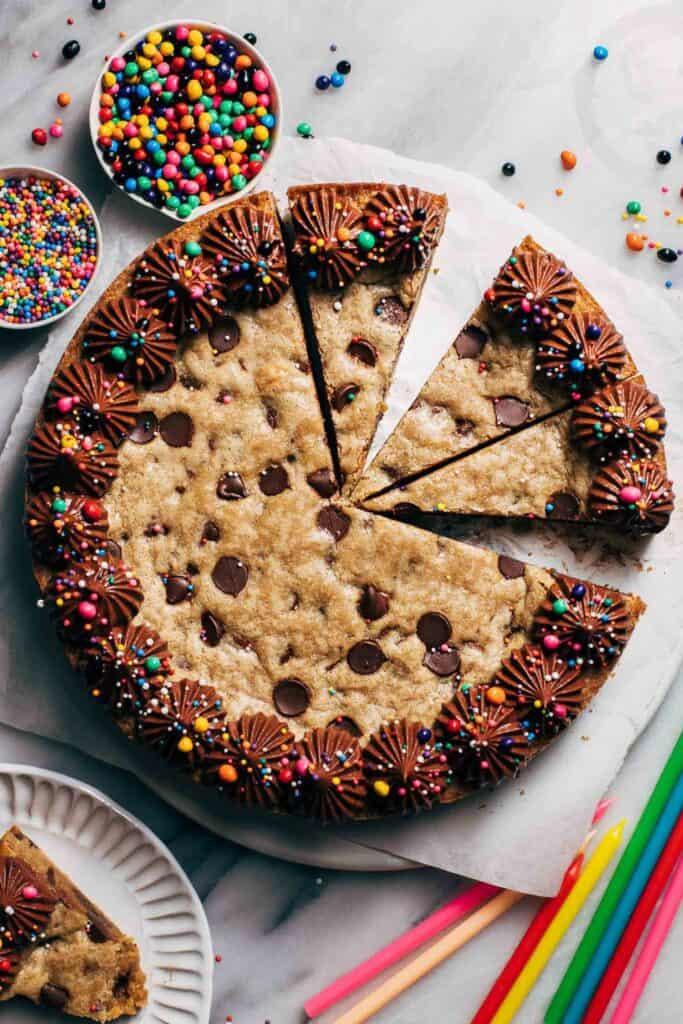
(43, 172)
(240, 43)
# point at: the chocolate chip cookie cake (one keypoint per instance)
(56, 947)
(223, 597)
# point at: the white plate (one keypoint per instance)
(117, 861)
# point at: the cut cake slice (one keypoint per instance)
(56, 947)
(536, 342)
(364, 251)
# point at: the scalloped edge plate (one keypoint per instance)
(125, 868)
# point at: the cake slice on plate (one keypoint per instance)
(57, 948)
(600, 462)
(536, 343)
(365, 251)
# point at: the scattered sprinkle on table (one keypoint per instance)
(568, 159)
(600, 52)
(71, 49)
(185, 118)
(508, 169)
(48, 248)
(663, 156)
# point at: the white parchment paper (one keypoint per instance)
(523, 835)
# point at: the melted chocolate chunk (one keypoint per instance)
(405, 509)
(177, 429)
(470, 342)
(334, 521)
(95, 934)
(434, 629)
(271, 416)
(291, 697)
(230, 575)
(392, 310)
(230, 487)
(363, 351)
(178, 588)
(344, 395)
(166, 381)
(347, 724)
(510, 412)
(562, 505)
(192, 383)
(365, 657)
(145, 428)
(212, 628)
(373, 603)
(54, 996)
(211, 531)
(510, 568)
(224, 334)
(273, 479)
(442, 663)
(323, 482)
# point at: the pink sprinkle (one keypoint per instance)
(35, 54)
(551, 642)
(65, 405)
(87, 610)
(29, 892)
(301, 766)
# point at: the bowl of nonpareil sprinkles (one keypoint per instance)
(50, 245)
(185, 116)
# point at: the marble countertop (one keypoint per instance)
(469, 86)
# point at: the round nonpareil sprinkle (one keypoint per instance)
(185, 118)
(48, 248)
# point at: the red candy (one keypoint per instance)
(39, 136)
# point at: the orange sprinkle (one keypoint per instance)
(521, 205)
(559, 191)
(568, 159)
(634, 241)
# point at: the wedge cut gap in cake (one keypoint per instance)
(364, 251)
(57, 948)
(536, 344)
(602, 462)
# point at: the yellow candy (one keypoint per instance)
(194, 89)
(260, 133)
(161, 123)
(261, 111)
(149, 49)
(161, 139)
(239, 145)
(219, 160)
(162, 185)
(198, 53)
(212, 60)
(108, 79)
(166, 48)
(146, 132)
(195, 37)
(134, 143)
(651, 425)
(143, 63)
(155, 37)
(233, 169)
(204, 122)
(381, 788)
(185, 745)
(201, 724)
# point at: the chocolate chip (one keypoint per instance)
(212, 628)
(291, 697)
(230, 487)
(273, 479)
(177, 429)
(145, 428)
(365, 657)
(347, 724)
(373, 603)
(193, 568)
(178, 588)
(442, 663)
(464, 426)
(230, 575)
(470, 342)
(323, 482)
(562, 505)
(224, 335)
(54, 996)
(434, 629)
(271, 416)
(211, 531)
(95, 934)
(333, 520)
(166, 381)
(510, 412)
(363, 351)
(510, 568)
(189, 381)
(344, 395)
(392, 310)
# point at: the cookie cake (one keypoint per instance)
(208, 546)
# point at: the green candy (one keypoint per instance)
(193, 202)
(159, 157)
(247, 133)
(150, 75)
(184, 210)
(153, 664)
(633, 207)
(187, 161)
(193, 249)
(172, 202)
(366, 240)
(237, 107)
(119, 354)
(59, 505)
(304, 130)
(559, 606)
(131, 69)
(144, 183)
(226, 107)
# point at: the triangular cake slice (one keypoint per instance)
(365, 251)
(536, 343)
(56, 947)
(601, 462)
